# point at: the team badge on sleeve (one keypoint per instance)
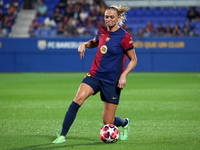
(131, 42)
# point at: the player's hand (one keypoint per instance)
(81, 50)
(122, 82)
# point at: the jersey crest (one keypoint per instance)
(107, 39)
(103, 49)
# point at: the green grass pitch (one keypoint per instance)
(164, 109)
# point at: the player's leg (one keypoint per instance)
(110, 94)
(109, 115)
(83, 93)
(110, 118)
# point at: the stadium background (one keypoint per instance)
(163, 107)
(29, 44)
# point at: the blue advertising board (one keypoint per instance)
(61, 55)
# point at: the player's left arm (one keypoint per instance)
(133, 62)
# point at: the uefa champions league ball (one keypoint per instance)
(109, 133)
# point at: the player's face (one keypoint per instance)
(111, 18)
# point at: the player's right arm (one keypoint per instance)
(90, 44)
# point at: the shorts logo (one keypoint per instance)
(114, 97)
(103, 49)
(107, 39)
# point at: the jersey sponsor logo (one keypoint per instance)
(107, 39)
(103, 49)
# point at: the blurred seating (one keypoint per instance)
(165, 16)
(8, 13)
(137, 18)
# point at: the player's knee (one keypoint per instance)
(79, 100)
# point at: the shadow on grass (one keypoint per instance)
(52, 146)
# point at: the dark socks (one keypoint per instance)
(69, 117)
(120, 121)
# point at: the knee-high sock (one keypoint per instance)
(120, 121)
(69, 117)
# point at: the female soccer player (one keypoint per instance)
(107, 73)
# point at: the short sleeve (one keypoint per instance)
(127, 43)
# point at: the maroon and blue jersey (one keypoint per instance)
(110, 58)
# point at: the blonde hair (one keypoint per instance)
(121, 12)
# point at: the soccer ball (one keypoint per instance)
(109, 133)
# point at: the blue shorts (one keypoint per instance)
(109, 92)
